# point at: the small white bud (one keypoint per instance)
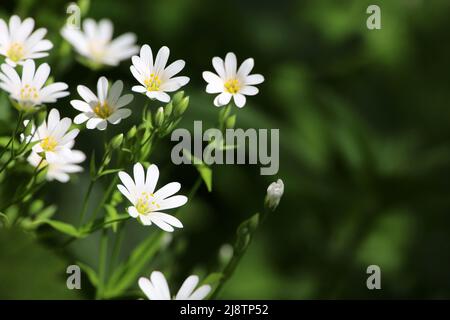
(274, 194)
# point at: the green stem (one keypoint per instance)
(105, 198)
(13, 137)
(116, 247)
(102, 264)
(85, 202)
(239, 252)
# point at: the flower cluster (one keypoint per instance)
(52, 141)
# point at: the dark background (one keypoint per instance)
(364, 147)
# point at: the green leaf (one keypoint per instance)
(30, 270)
(212, 278)
(206, 174)
(92, 275)
(126, 274)
(109, 171)
(62, 227)
(100, 223)
(204, 171)
(244, 232)
(4, 219)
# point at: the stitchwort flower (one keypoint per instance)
(18, 42)
(106, 106)
(30, 90)
(94, 42)
(53, 139)
(231, 82)
(155, 78)
(148, 203)
(60, 167)
(156, 288)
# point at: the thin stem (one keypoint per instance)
(237, 256)
(85, 202)
(116, 247)
(105, 197)
(13, 137)
(29, 187)
(102, 264)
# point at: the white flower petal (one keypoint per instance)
(132, 211)
(219, 66)
(230, 65)
(187, 288)
(168, 190)
(151, 178)
(160, 284)
(246, 67)
(200, 293)
(139, 175)
(102, 89)
(87, 94)
(239, 100)
(167, 218)
(254, 79)
(173, 202)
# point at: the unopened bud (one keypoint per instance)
(181, 107)
(274, 193)
(168, 109)
(159, 117)
(230, 122)
(116, 142)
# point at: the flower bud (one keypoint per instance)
(176, 99)
(132, 132)
(230, 122)
(116, 142)
(274, 194)
(159, 117)
(168, 109)
(181, 107)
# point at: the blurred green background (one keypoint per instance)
(364, 148)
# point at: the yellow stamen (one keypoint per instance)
(232, 86)
(146, 203)
(103, 110)
(49, 144)
(152, 83)
(28, 93)
(15, 52)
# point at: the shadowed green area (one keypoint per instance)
(364, 148)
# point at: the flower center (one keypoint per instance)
(232, 86)
(15, 52)
(29, 93)
(146, 203)
(152, 83)
(97, 50)
(103, 110)
(49, 144)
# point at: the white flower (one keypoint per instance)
(232, 82)
(274, 193)
(61, 166)
(95, 42)
(156, 288)
(18, 43)
(104, 107)
(147, 203)
(156, 79)
(29, 91)
(52, 137)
